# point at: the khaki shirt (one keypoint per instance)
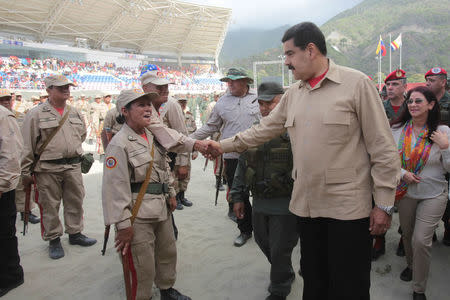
(172, 116)
(38, 125)
(21, 106)
(85, 108)
(128, 157)
(110, 124)
(342, 146)
(11, 145)
(19, 117)
(190, 122)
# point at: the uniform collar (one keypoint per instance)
(332, 74)
(132, 136)
(47, 107)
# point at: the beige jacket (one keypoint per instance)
(11, 145)
(172, 115)
(38, 125)
(343, 149)
(127, 159)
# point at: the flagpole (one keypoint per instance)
(379, 71)
(401, 55)
(390, 53)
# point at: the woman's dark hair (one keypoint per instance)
(305, 33)
(434, 115)
(120, 118)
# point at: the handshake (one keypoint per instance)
(210, 149)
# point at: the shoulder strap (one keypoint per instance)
(143, 188)
(50, 137)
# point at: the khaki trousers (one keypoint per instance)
(181, 185)
(418, 220)
(20, 197)
(154, 256)
(67, 185)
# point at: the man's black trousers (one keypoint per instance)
(245, 224)
(10, 270)
(335, 258)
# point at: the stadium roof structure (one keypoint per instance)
(144, 26)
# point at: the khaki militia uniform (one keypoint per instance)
(153, 248)
(20, 189)
(98, 114)
(110, 124)
(11, 145)
(181, 185)
(21, 106)
(172, 116)
(58, 172)
(85, 109)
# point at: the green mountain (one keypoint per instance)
(352, 38)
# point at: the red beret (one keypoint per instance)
(395, 75)
(435, 71)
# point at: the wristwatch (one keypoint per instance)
(387, 209)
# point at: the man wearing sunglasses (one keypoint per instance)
(58, 169)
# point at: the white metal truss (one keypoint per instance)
(143, 26)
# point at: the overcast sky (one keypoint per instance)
(273, 13)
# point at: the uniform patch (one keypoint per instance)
(110, 162)
(436, 70)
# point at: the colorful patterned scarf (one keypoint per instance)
(413, 160)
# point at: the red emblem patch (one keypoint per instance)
(111, 162)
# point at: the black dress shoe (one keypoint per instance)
(81, 239)
(406, 274)
(275, 297)
(242, 239)
(400, 249)
(419, 296)
(173, 294)
(55, 249)
(5, 290)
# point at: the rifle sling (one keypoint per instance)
(143, 189)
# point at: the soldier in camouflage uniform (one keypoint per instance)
(265, 172)
(437, 81)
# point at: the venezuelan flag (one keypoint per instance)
(381, 48)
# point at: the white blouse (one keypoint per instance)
(432, 182)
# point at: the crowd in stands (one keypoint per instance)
(28, 74)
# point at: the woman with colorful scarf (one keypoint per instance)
(423, 147)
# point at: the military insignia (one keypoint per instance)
(436, 70)
(131, 138)
(110, 162)
(398, 73)
(138, 91)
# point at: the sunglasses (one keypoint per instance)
(411, 101)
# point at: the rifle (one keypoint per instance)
(105, 239)
(219, 179)
(206, 164)
(26, 213)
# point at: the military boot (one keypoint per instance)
(231, 214)
(55, 249)
(379, 248)
(184, 201)
(81, 239)
(32, 218)
(179, 205)
(173, 294)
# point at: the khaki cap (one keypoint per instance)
(57, 80)
(18, 93)
(98, 96)
(43, 94)
(5, 93)
(128, 96)
(34, 98)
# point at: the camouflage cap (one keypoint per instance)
(235, 74)
(268, 90)
(57, 80)
(5, 93)
(128, 96)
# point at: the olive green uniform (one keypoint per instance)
(390, 112)
(265, 171)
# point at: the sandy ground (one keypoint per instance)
(209, 266)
